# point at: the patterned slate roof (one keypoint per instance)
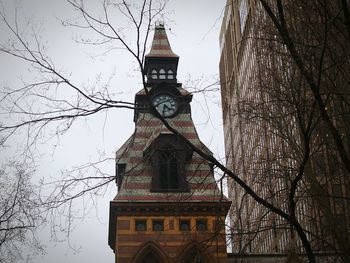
(136, 184)
(160, 44)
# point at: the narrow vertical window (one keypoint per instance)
(161, 73)
(168, 170)
(119, 173)
(170, 74)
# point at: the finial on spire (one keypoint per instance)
(159, 24)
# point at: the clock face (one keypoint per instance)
(165, 104)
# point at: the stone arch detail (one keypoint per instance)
(195, 253)
(150, 252)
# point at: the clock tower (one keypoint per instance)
(168, 207)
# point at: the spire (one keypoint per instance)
(160, 45)
(161, 62)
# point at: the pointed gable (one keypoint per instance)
(137, 182)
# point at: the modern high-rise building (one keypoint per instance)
(277, 138)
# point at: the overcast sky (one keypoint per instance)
(194, 36)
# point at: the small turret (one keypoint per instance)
(161, 62)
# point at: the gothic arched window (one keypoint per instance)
(161, 73)
(193, 255)
(150, 253)
(168, 156)
(154, 74)
(150, 258)
(170, 74)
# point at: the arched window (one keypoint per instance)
(150, 253)
(170, 74)
(161, 73)
(168, 169)
(154, 74)
(168, 155)
(193, 255)
(150, 258)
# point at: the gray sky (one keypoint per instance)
(194, 36)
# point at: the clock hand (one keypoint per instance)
(167, 108)
(164, 110)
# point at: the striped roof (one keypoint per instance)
(136, 185)
(160, 45)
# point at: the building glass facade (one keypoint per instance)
(275, 135)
